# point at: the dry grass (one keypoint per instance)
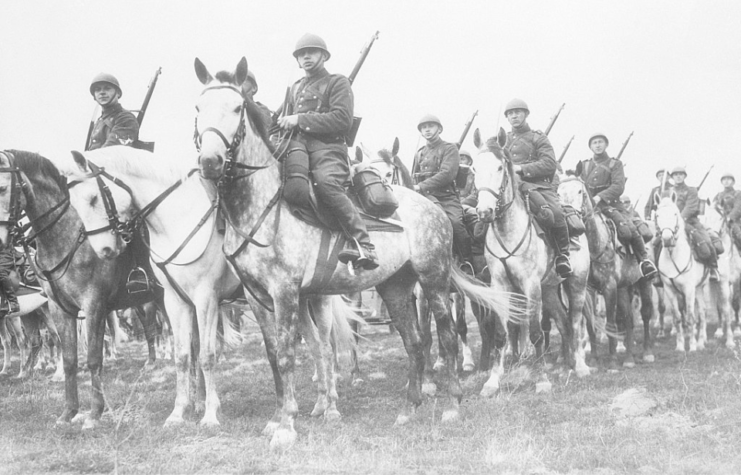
(695, 426)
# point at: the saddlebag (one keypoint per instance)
(374, 195)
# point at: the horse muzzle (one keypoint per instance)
(667, 238)
(486, 215)
(211, 166)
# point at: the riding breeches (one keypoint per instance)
(701, 241)
(453, 209)
(330, 171)
(471, 220)
(627, 231)
(546, 208)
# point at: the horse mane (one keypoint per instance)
(35, 166)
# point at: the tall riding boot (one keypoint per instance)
(648, 270)
(10, 296)
(462, 245)
(363, 255)
(736, 234)
(561, 239)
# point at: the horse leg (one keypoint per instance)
(32, 326)
(96, 322)
(424, 314)
(68, 338)
(462, 330)
(575, 288)
(318, 332)
(397, 294)
(496, 338)
(625, 311)
(14, 324)
(724, 312)
(611, 329)
(356, 303)
(646, 290)
(147, 315)
(207, 313)
(5, 337)
(699, 327)
(182, 334)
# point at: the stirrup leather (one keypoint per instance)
(138, 281)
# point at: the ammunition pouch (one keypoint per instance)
(643, 229)
(539, 207)
(297, 186)
(573, 221)
(700, 246)
(717, 242)
(374, 195)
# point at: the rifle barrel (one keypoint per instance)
(625, 144)
(554, 119)
(466, 129)
(566, 149)
(148, 96)
(363, 54)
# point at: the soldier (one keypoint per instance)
(116, 125)
(663, 177)
(468, 191)
(689, 205)
(604, 177)
(7, 263)
(434, 172)
(728, 193)
(249, 89)
(534, 160)
(321, 112)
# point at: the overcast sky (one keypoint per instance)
(668, 70)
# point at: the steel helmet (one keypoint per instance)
(310, 40)
(682, 170)
(429, 118)
(625, 199)
(251, 77)
(515, 104)
(660, 171)
(108, 79)
(595, 135)
(728, 175)
(464, 153)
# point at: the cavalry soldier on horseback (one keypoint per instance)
(728, 204)
(7, 263)
(116, 125)
(664, 184)
(468, 191)
(320, 110)
(534, 160)
(249, 89)
(434, 172)
(604, 177)
(689, 204)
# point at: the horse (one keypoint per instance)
(730, 260)
(79, 284)
(520, 261)
(185, 246)
(684, 276)
(27, 332)
(275, 253)
(391, 168)
(613, 274)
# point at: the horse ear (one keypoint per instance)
(674, 196)
(395, 148)
(477, 138)
(80, 160)
(241, 73)
(502, 137)
(202, 73)
(657, 198)
(358, 154)
(579, 168)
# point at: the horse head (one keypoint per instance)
(103, 205)
(669, 220)
(573, 193)
(11, 198)
(495, 178)
(221, 118)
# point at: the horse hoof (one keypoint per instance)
(332, 415)
(282, 439)
(209, 422)
(357, 382)
(543, 387)
(90, 424)
(402, 419)
(270, 429)
(718, 333)
(451, 415)
(429, 389)
(629, 364)
(319, 409)
(173, 421)
(489, 390)
(582, 372)
(649, 358)
(80, 417)
(438, 366)
(731, 345)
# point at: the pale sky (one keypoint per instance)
(668, 70)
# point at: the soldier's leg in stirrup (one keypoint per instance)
(330, 171)
(648, 269)
(559, 231)
(461, 238)
(736, 234)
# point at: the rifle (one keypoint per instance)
(705, 177)
(565, 149)
(148, 96)
(554, 119)
(353, 132)
(625, 144)
(466, 129)
(96, 113)
(363, 54)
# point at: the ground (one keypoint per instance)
(681, 414)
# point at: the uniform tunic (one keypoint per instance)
(653, 197)
(689, 204)
(116, 126)
(723, 198)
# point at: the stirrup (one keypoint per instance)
(563, 265)
(714, 274)
(367, 259)
(652, 271)
(138, 281)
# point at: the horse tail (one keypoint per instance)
(508, 306)
(229, 335)
(342, 335)
(82, 335)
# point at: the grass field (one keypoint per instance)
(686, 418)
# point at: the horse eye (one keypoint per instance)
(238, 109)
(93, 201)
(3, 188)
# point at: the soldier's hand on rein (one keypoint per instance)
(288, 122)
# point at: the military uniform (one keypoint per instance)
(434, 170)
(324, 105)
(533, 152)
(7, 263)
(689, 204)
(726, 196)
(116, 126)
(604, 177)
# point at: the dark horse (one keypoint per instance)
(274, 253)
(78, 283)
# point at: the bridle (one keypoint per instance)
(507, 179)
(674, 230)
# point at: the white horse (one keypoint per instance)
(729, 261)
(126, 186)
(684, 277)
(519, 260)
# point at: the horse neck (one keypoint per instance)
(248, 197)
(57, 238)
(516, 217)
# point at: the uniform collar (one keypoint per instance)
(114, 109)
(601, 157)
(521, 130)
(322, 73)
(434, 143)
(682, 185)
